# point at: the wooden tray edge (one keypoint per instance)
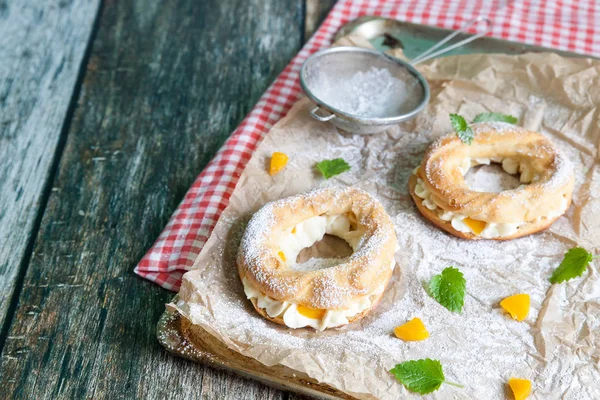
(181, 338)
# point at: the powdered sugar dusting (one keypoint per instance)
(526, 154)
(371, 93)
(499, 128)
(563, 171)
(257, 254)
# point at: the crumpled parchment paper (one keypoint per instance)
(557, 347)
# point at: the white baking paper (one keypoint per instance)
(557, 347)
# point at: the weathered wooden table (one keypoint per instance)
(108, 111)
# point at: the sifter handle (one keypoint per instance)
(428, 54)
(322, 118)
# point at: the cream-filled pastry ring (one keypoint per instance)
(443, 197)
(320, 298)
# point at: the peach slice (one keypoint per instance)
(521, 388)
(413, 330)
(313, 313)
(278, 162)
(476, 226)
(517, 306)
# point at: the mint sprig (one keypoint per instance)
(448, 288)
(574, 264)
(333, 167)
(462, 128)
(421, 376)
(491, 117)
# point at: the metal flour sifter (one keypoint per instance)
(365, 91)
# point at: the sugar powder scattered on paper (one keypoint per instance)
(491, 179)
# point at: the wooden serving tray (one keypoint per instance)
(182, 338)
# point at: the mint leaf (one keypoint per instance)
(462, 129)
(448, 288)
(421, 376)
(458, 123)
(573, 265)
(333, 167)
(488, 117)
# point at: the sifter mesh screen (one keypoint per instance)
(363, 85)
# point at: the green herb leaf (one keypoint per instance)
(333, 167)
(573, 265)
(488, 117)
(448, 288)
(421, 376)
(462, 129)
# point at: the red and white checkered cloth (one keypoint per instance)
(567, 25)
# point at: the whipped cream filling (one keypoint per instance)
(294, 319)
(509, 165)
(491, 230)
(292, 241)
(310, 231)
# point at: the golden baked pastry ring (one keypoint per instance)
(346, 212)
(442, 195)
